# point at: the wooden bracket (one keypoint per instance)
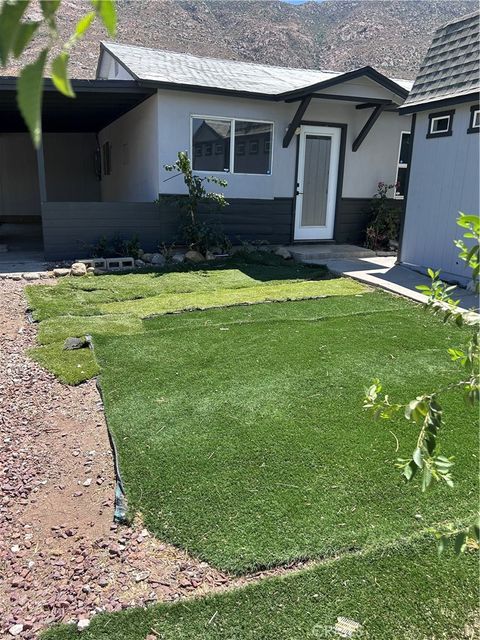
(367, 126)
(302, 107)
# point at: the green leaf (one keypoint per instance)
(29, 95)
(10, 16)
(83, 24)
(23, 36)
(49, 7)
(417, 457)
(106, 10)
(60, 75)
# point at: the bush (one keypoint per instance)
(384, 224)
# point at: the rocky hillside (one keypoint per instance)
(390, 35)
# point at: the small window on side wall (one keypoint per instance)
(474, 126)
(440, 124)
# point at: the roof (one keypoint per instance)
(451, 68)
(97, 104)
(184, 70)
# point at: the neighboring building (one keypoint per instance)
(302, 150)
(444, 167)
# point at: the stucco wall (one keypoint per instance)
(134, 155)
(443, 181)
(376, 159)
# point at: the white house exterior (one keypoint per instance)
(444, 165)
(302, 150)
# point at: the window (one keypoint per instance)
(440, 124)
(107, 158)
(232, 146)
(208, 133)
(474, 126)
(402, 165)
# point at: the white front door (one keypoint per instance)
(318, 157)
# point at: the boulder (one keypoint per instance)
(78, 269)
(158, 260)
(141, 253)
(71, 344)
(177, 258)
(31, 276)
(283, 253)
(210, 256)
(147, 257)
(194, 256)
(139, 263)
(60, 273)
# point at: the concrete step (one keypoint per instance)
(322, 252)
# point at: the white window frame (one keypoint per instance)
(476, 119)
(434, 119)
(232, 144)
(400, 165)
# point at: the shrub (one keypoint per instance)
(384, 224)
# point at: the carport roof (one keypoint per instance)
(97, 104)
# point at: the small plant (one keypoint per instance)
(424, 412)
(115, 247)
(197, 235)
(385, 220)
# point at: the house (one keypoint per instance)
(444, 168)
(302, 150)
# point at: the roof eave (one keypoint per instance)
(437, 103)
(368, 72)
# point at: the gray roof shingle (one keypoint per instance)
(451, 67)
(184, 69)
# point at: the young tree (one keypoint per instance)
(17, 31)
(425, 412)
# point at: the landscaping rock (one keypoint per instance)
(78, 269)
(139, 263)
(158, 260)
(74, 343)
(83, 623)
(209, 256)
(283, 253)
(91, 270)
(178, 258)
(16, 629)
(194, 256)
(31, 276)
(60, 273)
(147, 257)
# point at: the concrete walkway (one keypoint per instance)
(383, 272)
(15, 262)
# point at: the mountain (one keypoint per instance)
(390, 35)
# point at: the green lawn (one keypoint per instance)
(116, 304)
(242, 438)
(396, 594)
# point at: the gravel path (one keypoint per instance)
(61, 557)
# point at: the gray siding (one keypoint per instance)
(352, 218)
(70, 228)
(443, 181)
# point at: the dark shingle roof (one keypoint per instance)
(451, 67)
(183, 69)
